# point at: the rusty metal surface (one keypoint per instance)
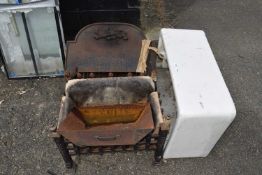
(99, 115)
(156, 111)
(104, 47)
(149, 145)
(151, 62)
(75, 130)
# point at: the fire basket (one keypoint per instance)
(111, 101)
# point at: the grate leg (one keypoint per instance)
(160, 144)
(64, 151)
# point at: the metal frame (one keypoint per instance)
(29, 42)
(151, 142)
(3, 60)
(59, 32)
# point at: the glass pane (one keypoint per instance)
(14, 45)
(7, 1)
(17, 1)
(43, 33)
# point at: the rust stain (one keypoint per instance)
(105, 47)
(98, 115)
(74, 129)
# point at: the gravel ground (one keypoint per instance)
(234, 29)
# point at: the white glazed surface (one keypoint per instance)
(204, 105)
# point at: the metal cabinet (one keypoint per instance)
(79, 13)
(31, 40)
